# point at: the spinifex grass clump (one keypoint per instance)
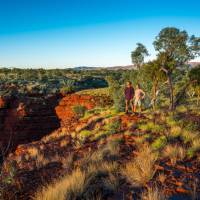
(7, 179)
(153, 193)
(142, 169)
(96, 180)
(188, 136)
(174, 153)
(152, 127)
(175, 131)
(84, 134)
(195, 147)
(113, 127)
(159, 143)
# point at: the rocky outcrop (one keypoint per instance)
(26, 119)
(64, 110)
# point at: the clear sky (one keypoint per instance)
(67, 33)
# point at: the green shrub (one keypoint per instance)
(187, 136)
(195, 146)
(175, 131)
(7, 179)
(79, 110)
(84, 134)
(67, 89)
(150, 126)
(159, 143)
(116, 93)
(113, 127)
(171, 121)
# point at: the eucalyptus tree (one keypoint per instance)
(138, 55)
(151, 71)
(175, 48)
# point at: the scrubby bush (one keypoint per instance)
(113, 127)
(116, 92)
(84, 134)
(195, 147)
(7, 178)
(150, 126)
(79, 110)
(159, 143)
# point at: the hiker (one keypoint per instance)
(139, 96)
(129, 94)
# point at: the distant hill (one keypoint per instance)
(194, 64)
(125, 67)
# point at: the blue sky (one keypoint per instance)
(67, 33)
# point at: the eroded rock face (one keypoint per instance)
(29, 118)
(64, 110)
(26, 119)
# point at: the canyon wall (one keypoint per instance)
(26, 119)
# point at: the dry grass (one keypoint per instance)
(33, 152)
(108, 152)
(162, 178)
(174, 153)
(64, 143)
(97, 182)
(153, 193)
(188, 136)
(175, 131)
(41, 161)
(141, 170)
(95, 92)
(70, 187)
(195, 147)
(55, 135)
(196, 144)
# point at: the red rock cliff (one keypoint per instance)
(64, 110)
(26, 119)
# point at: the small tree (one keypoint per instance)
(151, 71)
(138, 55)
(194, 76)
(116, 92)
(175, 48)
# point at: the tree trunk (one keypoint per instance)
(171, 89)
(155, 85)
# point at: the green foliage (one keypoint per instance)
(194, 75)
(113, 127)
(117, 94)
(150, 126)
(68, 88)
(175, 48)
(195, 147)
(175, 131)
(79, 110)
(138, 55)
(43, 81)
(187, 136)
(84, 134)
(7, 179)
(159, 143)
